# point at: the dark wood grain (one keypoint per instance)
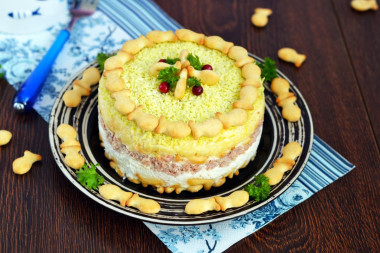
(361, 33)
(42, 212)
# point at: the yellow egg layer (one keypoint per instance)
(217, 98)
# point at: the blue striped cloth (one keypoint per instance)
(137, 17)
(106, 30)
(324, 166)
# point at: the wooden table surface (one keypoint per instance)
(42, 212)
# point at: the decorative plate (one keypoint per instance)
(277, 132)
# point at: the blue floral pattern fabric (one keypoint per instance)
(19, 55)
(114, 22)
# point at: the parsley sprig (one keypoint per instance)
(268, 69)
(1, 72)
(169, 75)
(194, 61)
(88, 176)
(101, 58)
(171, 61)
(259, 189)
(193, 81)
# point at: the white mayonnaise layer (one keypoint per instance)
(130, 166)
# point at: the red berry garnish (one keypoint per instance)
(162, 60)
(164, 87)
(207, 67)
(197, 90)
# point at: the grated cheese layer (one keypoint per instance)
(217, 98)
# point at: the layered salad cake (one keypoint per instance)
(180, 110)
